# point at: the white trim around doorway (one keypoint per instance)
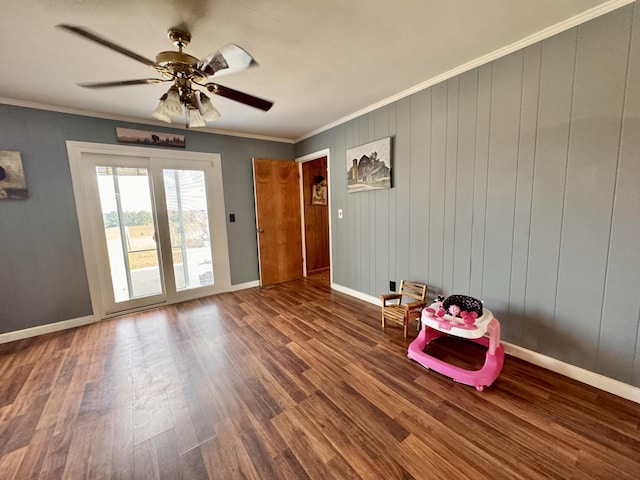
(300, 160)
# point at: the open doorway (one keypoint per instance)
(315, 208)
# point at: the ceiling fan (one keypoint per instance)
(188, 77)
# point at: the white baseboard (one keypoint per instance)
(596, 380)
(355, 293)
(244, 286)
(44, 329)
(576, 373)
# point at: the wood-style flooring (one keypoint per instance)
(290, 382)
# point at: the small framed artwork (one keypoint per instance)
(12, 182)
(155, 139)
(319, 192)
(369, 166)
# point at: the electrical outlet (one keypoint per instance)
(392, 286)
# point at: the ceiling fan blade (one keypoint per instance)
(229, 59)
(241, 97)
(123, 83)
(107, 43)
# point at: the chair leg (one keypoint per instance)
(383, 322)
(405, 326)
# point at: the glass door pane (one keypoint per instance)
(188, 215)
(130, 231)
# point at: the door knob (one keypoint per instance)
(260, 230)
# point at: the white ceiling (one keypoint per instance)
(320, 60)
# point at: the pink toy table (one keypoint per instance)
(435, 327)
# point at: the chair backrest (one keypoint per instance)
(417, 291)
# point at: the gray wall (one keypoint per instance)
(42, 274)
(518, 183)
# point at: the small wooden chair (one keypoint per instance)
(404, 313)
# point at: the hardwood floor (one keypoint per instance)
(290, 382)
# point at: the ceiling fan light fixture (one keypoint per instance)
(172, 105)
(210, 113)
(195, 118)
(185, 72)
(160, 111)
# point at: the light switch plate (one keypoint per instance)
(339, 213)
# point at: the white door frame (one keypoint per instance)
(300, 160)
(218, 232)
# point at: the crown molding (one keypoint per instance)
(571, 22)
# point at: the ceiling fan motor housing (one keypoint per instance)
(179, 62)
(176, 58)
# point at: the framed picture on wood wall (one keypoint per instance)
(369, 166)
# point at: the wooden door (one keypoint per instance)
(277, 193)
(316, 215)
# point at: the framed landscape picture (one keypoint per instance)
(12, 182)
(369, 166)
(156, 139)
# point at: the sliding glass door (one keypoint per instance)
(129, 232)
(152, 224)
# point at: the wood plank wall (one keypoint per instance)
(518, 183)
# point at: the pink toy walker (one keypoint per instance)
(440, 319)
